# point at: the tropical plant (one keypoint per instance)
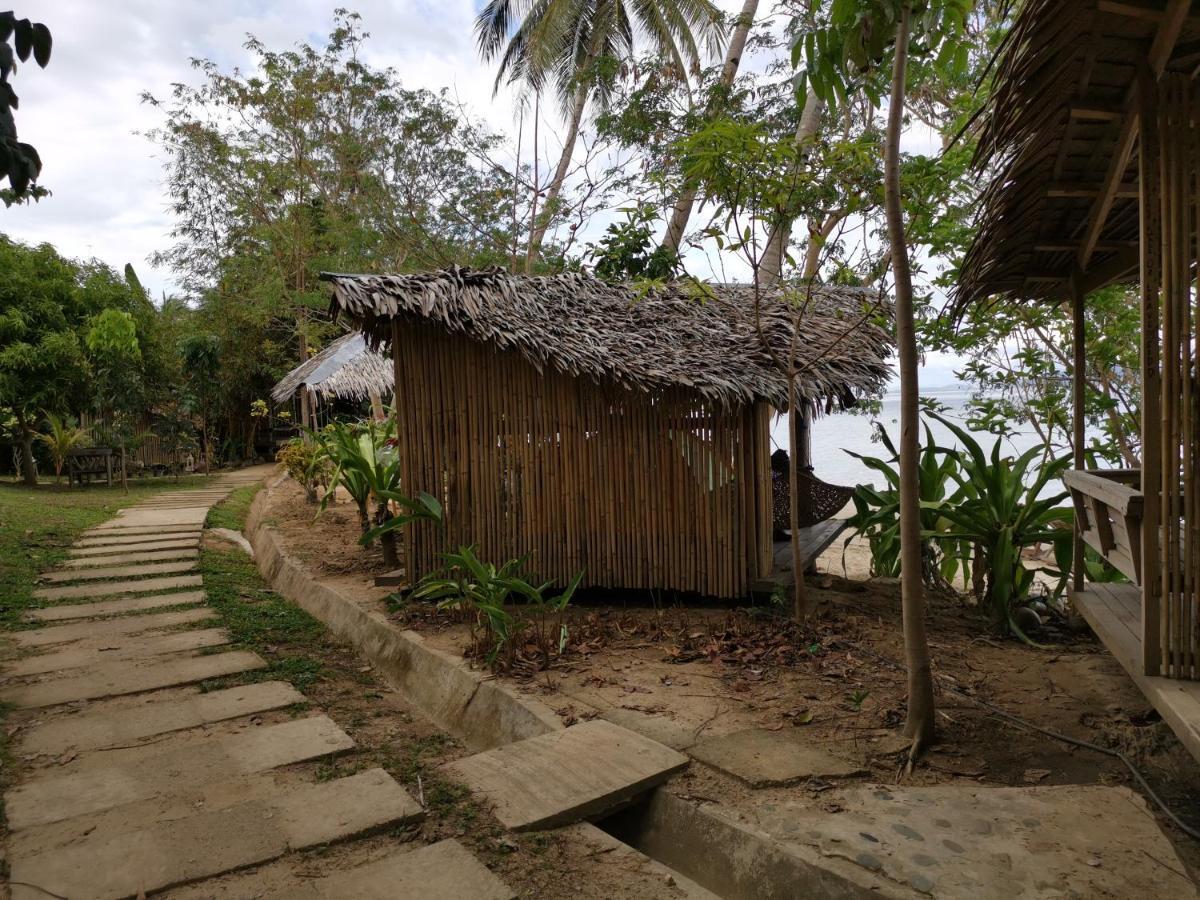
(63, 437)
(577, 48)
(307, 462)
(998, 514)
(481, 591)
(19, 162)
(877, 511)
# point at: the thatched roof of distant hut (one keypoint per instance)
(686, 335)
(347, 369)
(1058, 133)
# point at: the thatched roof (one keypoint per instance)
(1059, 134)
(346, 369)
(703, 339)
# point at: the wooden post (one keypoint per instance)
(1078, 394)
(1151, 256)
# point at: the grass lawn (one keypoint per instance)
(38, 524)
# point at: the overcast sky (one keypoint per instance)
(83, 111)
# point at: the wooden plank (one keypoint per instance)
(1177, 701)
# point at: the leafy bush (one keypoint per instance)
(63, 437)
(481, 592)
(307, 462)
(977, 516)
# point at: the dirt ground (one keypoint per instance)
(686, 673)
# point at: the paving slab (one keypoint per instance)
(109, 588)
(146, 533)
(109, 648)
(80, 631)
(443, 871)
(116, 678)
(105, 866)
(157, 535)
(119, 559)
(112, 607)
(100, 726)
(992, 843)
(149, 518)
(771, 758)
(133, 570)
(102, 550)
(578, 773)
(54, 798)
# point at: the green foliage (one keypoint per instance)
(979, 511)
(628, 250)
(63, 437)
(307, 462)
(481, 591)
(19, 162)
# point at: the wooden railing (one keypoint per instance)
(1108, 510)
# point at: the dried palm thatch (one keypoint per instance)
(347, 369)
(1058, 137)
(700, 337)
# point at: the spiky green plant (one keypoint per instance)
(63, 437)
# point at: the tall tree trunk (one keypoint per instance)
(777, 241)
(124, 470)
(920, 723)
(733, 58)
(28, 468)
(377, 411)
(542, 222)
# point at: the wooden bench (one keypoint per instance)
(1108, 510)
(91, 461)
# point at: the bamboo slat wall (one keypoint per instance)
(1170, 138)
(149, 452)
(640, 491)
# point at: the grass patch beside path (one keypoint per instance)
(258, 619)
(37, 525)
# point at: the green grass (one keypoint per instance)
(257, 618)
(37, 525)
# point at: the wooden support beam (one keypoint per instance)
(1100, 112)
(1078, 396)
(1084, 189)
(1138, 9)
(1170, 25)
(1073, 247)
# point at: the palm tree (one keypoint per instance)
(558, 44)
(61, 440)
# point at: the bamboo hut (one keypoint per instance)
(598, 429)
(1093, 136)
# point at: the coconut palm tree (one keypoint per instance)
(560, 44)
(62, 438)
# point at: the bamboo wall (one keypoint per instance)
(641, 493)
(1170, 184)
(149, 452)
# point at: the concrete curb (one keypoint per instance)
(470, 705)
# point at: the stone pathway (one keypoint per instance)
(141, 782)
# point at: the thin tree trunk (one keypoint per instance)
(542, 222)
(124, 470)
(777, 241)
(28, 469)
(377, 412)
(733, 58)
(920, 723)
(801, 608)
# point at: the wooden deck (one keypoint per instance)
(814, 541)
(1114, 612)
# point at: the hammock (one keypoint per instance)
(819, 500)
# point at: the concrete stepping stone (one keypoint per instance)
(107, 649)
(108, 628)
(992, 843)
(119, 559)
(106, 866)
(770, 758)
(112, 607)
(115, 678)
(100, 726)
(54, 798)
(109, 588)
(578, 773)
(149, 518)
(443, 871)
(111, 538)
(146, 533)
(129, 571)
(183, 542)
